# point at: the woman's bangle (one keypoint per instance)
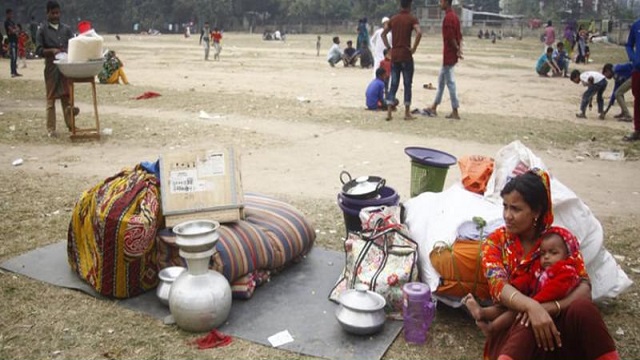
(559, 308)
(513, 294)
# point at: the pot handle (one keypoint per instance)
(380, 185)
(342, 173)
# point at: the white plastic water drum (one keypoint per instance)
(84, 47)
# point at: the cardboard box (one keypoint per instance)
(201, 184)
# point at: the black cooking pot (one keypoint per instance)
(363, 187)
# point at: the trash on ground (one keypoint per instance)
(611, 155)
(281, 338)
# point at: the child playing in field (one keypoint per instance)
(318, 46)
(554, 277)
(216, 37)
(385, 63)
(23, 39)
(561, 58)
(596, 83)
(545, 64)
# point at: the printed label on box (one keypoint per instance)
(211, 165)
(185, 181)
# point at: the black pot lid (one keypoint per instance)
(361, 299)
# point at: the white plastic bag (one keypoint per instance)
(435, 217)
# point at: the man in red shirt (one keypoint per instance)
(451, 52)
(402, 25)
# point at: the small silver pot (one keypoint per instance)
(167, 276)
(361, 311)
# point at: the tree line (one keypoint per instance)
(115, 16)
(120, 15)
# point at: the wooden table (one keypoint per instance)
(77, 133)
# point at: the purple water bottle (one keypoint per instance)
(418, 311)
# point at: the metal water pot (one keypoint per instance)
(361, 311)
(200, 298)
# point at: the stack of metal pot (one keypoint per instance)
(200, 298)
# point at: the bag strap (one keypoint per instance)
(385, 252)
(358, 262)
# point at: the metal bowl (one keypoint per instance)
(79, 70)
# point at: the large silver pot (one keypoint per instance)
(200, 298)
(361, 311)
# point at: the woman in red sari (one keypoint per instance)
(571, 328)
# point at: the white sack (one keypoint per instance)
(435, 217)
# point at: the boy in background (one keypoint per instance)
(216, 38)
(596, 83)
(545, 64)
(335, 54)
(385, 63)
(561, 59)
(350, 55)
(375, 91)
(621, 73)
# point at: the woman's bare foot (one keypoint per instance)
(472, 305)
(485, 327)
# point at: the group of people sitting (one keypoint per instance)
(486, 35)
(350, 55)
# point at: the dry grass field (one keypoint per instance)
(297, 123)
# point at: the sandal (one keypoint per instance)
(453, 116)
(430, 112)
(581, 116)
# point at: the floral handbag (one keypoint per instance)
(382, 256)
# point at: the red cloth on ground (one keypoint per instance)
(147, 95)
(213, 339)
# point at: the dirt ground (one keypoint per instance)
(297, 123)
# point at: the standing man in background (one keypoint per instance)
(451, 52)
(12, 35)
(633, 52)
(53, 38)
(402, 25)
(205, 35)
(378, 46)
